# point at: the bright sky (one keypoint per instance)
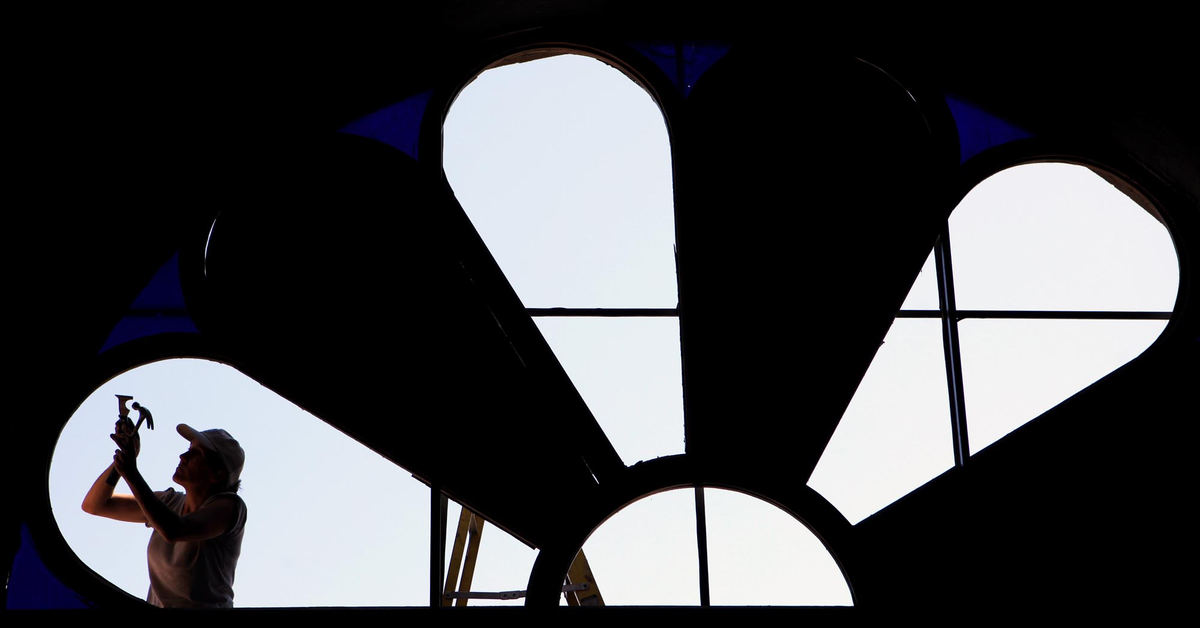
(565, 159)
(1037, 236)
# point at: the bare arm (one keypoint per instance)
(101, 501)
(213, 519)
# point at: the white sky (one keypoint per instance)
(564, 167)
(1034, 237)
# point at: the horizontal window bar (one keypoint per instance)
(1044, 314)
(582, 311)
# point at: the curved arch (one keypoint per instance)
(522, 48)
(564, 167)
(669, 473)
(289, 456)
(1134, 179)
(1055, 183)
(1139, 181)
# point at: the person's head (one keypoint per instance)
(214, 460)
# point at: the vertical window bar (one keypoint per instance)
(702, 545)
(954, 376)
(437, 543)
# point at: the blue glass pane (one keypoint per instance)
(397, 125)
(158, 309)
(31, 586)
(682, 62)
(979, 130)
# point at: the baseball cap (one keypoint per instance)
(219, 443)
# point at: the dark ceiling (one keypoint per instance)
(130, 140)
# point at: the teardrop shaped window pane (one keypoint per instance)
(563, 165)
(1055, 236)
(329, 522)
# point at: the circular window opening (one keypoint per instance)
(758, 555)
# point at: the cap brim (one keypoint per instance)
(195, 436)
(186, 431)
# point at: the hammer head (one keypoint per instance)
(122, 409)
(143, 415)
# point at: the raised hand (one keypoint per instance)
(130, 444)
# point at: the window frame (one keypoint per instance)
(950, 315)
(647, 76)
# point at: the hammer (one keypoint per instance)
(143, 412)
(143, 416)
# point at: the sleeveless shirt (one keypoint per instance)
(194, 574)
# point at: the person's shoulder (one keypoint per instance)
(234, 501)
(171, 498)
(238, 509)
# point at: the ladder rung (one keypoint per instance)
(508, 595)
(484, 595)
(579, 587)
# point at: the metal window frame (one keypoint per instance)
(950, 315)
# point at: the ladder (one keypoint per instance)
(580, 586)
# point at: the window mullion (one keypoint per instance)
(437, 543)
(702, 545)
(954, 376)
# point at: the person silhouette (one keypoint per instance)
(197, 534)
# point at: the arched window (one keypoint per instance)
(757, 554)
(563, 166)
(1047, 278)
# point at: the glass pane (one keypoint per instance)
(563, 165)
(759, 555)
(1046, 360)
(923, 295)
(628, 371)
(503, 562)
(646, 553)
(330, 522)
(895, 434)
(1057, 236)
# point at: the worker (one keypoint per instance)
(197, 537)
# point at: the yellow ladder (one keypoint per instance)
(580, 586)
